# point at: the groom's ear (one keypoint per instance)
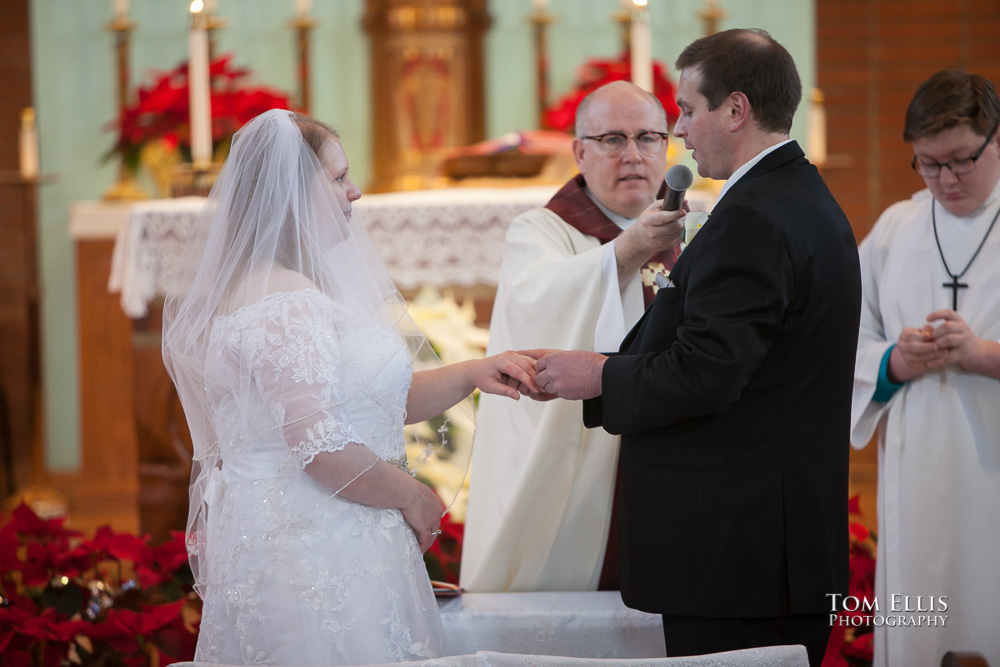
(739, 110)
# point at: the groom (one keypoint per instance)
(733, 393)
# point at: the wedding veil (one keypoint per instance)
(275, 223)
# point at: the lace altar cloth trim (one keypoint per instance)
(433, 237)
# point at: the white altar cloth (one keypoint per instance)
(586, 625)
(566, 629)
(768, 656)
(448, 237)
(441, 238)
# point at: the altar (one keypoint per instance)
(439, 238)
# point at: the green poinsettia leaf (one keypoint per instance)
(66, 600)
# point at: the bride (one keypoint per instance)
(297, 367)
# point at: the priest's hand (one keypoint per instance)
(654, 231)
(958, 345)
(914, 352)
(573, 375)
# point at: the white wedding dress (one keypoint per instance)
(297, 574)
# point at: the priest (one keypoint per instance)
(926, 378)
(576, 274)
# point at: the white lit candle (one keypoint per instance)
(816, 129)
(28, 144)
(642, 48)
(199, 98)
(303, 7)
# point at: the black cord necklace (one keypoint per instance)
(954, 285)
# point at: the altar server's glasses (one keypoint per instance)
(958, 166)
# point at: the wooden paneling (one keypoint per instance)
(105, 489)
(871, 56)
(20, 441)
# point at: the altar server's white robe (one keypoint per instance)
(939, 436)
(540, 492)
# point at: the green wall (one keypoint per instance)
(74, 99)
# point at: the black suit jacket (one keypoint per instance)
(733, 398)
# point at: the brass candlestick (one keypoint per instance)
(711, 14)
(540, 21)
(623, 17)
(212, 24)
(126, 188)
(303, 26)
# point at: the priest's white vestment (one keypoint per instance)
(939, 437)
(541, 487)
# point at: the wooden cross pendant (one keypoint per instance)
(954, 286)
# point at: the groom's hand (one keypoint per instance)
(573, 375)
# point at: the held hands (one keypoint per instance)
(574, 375)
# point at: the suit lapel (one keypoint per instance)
(773, 160)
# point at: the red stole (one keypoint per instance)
(578, 210)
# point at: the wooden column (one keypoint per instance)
(104, 490)
(427, 85)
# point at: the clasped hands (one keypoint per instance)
(950, 342)
(572, 375)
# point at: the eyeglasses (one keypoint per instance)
(958, 166)
(612, 144)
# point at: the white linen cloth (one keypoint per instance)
(767, 656)
(429, 237)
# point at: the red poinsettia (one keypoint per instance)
(851, 639)
(110, 600)
(444, 557)
(595, 73)
(162, 108)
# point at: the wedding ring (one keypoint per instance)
(436, 532)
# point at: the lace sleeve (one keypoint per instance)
(300, 375)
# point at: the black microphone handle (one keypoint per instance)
(673, 199)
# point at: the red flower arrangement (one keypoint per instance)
(851, 642)
(113, 600)
(595, 73)
(444, 557)
(162, 109)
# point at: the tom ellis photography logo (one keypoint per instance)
(899, 611)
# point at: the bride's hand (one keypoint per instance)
(423, 512)
(506, 374)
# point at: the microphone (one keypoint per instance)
(679, 179)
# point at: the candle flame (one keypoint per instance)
(197, 6)
(640, 3)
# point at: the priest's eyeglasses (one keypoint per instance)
(613, 144)
(958, 166)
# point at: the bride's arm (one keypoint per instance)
(357, 474)
(434, 391)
